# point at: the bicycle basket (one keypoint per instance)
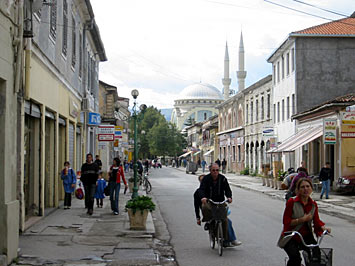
(219, 212)
(326, 258)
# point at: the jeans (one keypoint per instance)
(89, 195)
(67, 199)
(203, 168)
(325, 188)
(114, 194)
(231, 233)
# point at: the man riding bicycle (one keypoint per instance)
(214, 186)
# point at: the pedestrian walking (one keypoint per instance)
(203, 164)
(89, 176)
(325, 175)
(69, 180)
(99, 193)
(224, 165)
(98, 162)
(218, 161)
(116, 173)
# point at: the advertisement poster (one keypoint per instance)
(348, 125)
(330, 130)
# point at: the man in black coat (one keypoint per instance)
(325, 175)
(89, 175)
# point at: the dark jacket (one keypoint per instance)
(325, 174)
(215, 190)
(89, 173)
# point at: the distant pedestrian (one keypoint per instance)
(218, 161)
(302, 168)
(99, 193)
(98, 162)
(126, 166)
(224, 165)
(203, 164)
(199, 162)
(116, 174)
(69, 180)
(89, 175)
(325, 175)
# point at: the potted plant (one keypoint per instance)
(280, 177)
(138, 211)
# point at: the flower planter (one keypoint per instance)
(137, 220)
(279, 184)
(268, 182)
(263, 181)
(130, 186)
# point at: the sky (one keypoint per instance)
(161, 46)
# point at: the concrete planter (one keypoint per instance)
(279, 184)
(130, 186)
(268, 182)
(264, 181)
(137, 220)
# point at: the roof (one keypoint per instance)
(344, 100)
(342, 27)
(200, 91)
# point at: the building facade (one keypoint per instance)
(258, 128)
(311, 66)
(209, 146)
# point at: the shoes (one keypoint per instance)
(198, 221)
(227, 244)
(68, 207)
(236, 243)
(115, 213)
(327, 198)
(101, 206)
(65, 207)
(207, 226)
(321, 196)
(90, 212)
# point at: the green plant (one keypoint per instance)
(140, 203)
(245, 171)
(255, 173)
(281, 175)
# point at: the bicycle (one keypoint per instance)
(145, 182)
(311, 258)
(219, 215)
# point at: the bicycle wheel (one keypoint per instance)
(148, 186)
(212, 238)
(220, 238)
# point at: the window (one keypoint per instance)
(283, 110)
(73, 57)
(80, 55)
(293, 104)
(256, 110)
(288, 64)
(251, 112)
(65, 27)
(283, 66)
(239, 154)
(268, 106)
(278, 71)
(288, 107)
(247, 114)
(262, 108)
(53, 20)
(233, 150)
(278, 112)
(274, 74)
(204, 116)
(293, 59)
(274, 113)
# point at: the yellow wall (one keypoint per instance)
(347, 156)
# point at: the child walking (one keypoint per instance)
(99, 193)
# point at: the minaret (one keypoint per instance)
(241, 74)
(226, 80)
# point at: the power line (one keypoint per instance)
(323, 9)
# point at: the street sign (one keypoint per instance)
(106, 133)
(118, 132)
(105, 137)
(94, 119)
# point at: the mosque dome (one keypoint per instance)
(200, 91)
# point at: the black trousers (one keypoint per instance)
(293, 248)
(89, 195)
(67, 199)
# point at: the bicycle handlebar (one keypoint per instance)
(293, 233)
(218, 203)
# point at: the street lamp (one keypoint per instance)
(135, 94)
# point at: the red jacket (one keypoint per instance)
(120, 173)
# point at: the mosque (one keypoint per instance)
(199, 101)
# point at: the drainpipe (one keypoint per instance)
(18, 42)
(28, 48)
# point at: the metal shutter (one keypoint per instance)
(71, 144)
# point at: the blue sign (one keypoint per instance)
(94, 119)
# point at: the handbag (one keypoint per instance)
(107, 191)
(79, 192)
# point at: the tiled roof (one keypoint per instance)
(344, 26)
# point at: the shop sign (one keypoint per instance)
(106, 133)
(348, 125)
(273, 143)
(348, 118)
(330, 130)
(94, 119)
(350, 108)
(118, 132)
(268, 132)
(240, 141)
(102, 145)
(73, 108)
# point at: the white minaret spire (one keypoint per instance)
(226, 80)
(241, 73)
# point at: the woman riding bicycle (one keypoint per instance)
(299, 214)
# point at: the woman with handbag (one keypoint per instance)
(116, 173)
(301, 213)
(69, 180)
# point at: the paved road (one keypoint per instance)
(256, 218)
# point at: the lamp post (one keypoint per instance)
(135, 94)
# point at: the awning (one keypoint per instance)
(196, 153)
(208, 153)
(185, 154)
(299, 139)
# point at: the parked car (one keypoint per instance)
(346, 184)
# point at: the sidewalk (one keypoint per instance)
(342, 206)
(72, 237)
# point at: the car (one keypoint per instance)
(346, 184)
